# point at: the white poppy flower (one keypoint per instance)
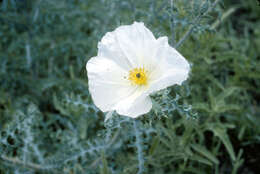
(131, 64)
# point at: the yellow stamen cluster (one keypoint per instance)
(138, 76)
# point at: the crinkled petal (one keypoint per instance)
(108, 83)
(172, 67)
(140, 106)
(130, 46)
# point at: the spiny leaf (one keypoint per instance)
(202, 150)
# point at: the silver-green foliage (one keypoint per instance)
(49, 124)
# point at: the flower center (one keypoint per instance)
(138, 76)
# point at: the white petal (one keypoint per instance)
(109, 47)
(172, 68)
(108, 83)
(130, 45)
(142, 105)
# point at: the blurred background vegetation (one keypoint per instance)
(48, 123)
